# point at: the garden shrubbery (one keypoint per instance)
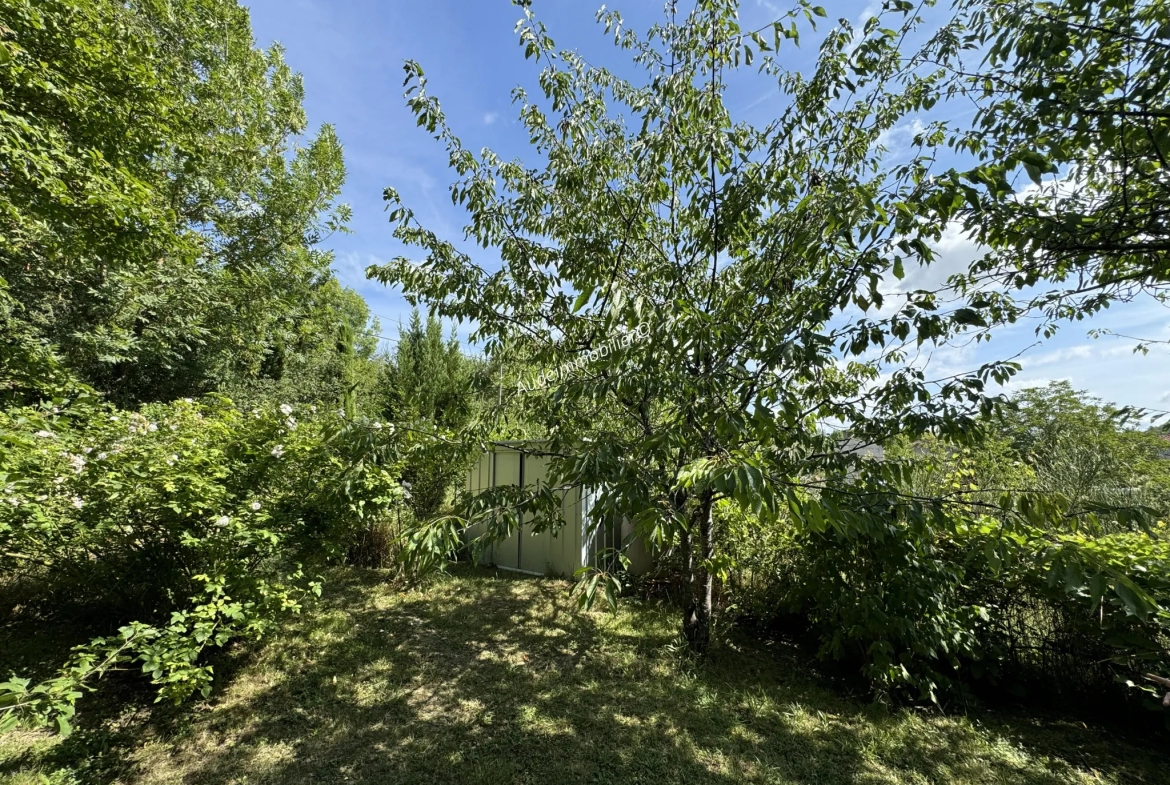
(194, 521)
(931, 610)
(1015, 584)
(161, 220)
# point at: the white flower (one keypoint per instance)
(87, 450)
(278, 451)
(255, 506)
(291, 423)
(222, 520)
(43, 434)
(103, 455)
(285, 409)
(188, 400)
(58, 480)
(377, 426)
(15, 502)
(152, 427)
(174, 427)
(78, 463)
(313, 409)
(77, 502)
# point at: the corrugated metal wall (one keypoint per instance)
(578, 542)
(545, 553)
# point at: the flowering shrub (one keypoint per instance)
(194, 518)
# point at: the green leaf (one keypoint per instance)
(583, 298)
(1131, 597)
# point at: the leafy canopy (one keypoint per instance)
(1067, 183)
(158, 217)
(745, 258)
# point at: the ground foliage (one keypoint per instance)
(1070, 608)
(191, 521)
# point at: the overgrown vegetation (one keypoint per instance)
(196, 423)
(975, 610)
(722, 303)
(985, 616)
(161, 217)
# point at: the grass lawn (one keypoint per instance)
(486, 679)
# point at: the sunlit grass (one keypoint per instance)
(485, 679)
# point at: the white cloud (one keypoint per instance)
(897, 138)
(871, 10)
(350, 269)
(490, 118)
(955, 251)
(1107, 369)
(1082, 352)
(764, 98)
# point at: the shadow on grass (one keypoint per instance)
(486, 679)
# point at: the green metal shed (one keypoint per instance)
(578, 542)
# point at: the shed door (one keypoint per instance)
(535, 550)
(507, 552)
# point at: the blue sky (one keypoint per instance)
(350, 53)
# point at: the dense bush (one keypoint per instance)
(196, 520)
(926, 609)
(995, 577)
(762, 557)
(161, 220)
(1088, 615)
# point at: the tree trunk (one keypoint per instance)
(698, 611)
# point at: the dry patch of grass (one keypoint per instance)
(487, 679)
